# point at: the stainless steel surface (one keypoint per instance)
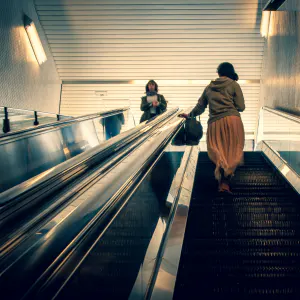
(18, 233)
(71, 162)
(24, 158)
(276, 125)
(46, 244)
(287, 172)
(147, 266)
(151, 258)
(20, 119)
(280, 70)
(273, 5)
(282, 114)
(288, 151)
(54, 125)
(290, 5)
(168, 266)
(280, 131)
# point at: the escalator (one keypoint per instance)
(29, 152)
(32, 203)
(240, 246)
(244, 246)
(112, 266)
(52, 240)
(115, 237)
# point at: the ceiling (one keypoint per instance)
(118, 45)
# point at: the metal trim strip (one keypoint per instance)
(11, 136)
(282, 114)
(81, 159)
(164, 280)
(281, 165)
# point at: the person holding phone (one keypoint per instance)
(153, 103)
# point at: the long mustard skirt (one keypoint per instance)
(225, 144)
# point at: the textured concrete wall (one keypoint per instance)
(290, 5)
(281, 66)
(23, 82)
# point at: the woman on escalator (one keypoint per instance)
(153, 103)
(225, 133)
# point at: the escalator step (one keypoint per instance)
(244, 246)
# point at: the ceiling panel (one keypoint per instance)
(107, 41)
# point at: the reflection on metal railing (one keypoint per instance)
(17, 119)
(25, 154)
(107, 103)
(286, 164)
(281, 132)
(277, 125)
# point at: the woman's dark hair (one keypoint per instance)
(156, 86)
(227, 69)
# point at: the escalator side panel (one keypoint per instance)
(24, 158)
(111, 268)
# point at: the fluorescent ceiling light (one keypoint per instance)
(265, 22)
(35, 41)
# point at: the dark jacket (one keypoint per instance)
(145, 107)
(224, 98)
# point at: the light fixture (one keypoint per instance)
(34, 40)
(265, 21)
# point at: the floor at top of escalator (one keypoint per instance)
(243, 246)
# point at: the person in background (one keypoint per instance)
(225, 133)
(153, 103)
(112, 125)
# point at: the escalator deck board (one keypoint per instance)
(245, 245)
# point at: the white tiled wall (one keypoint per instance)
(23, 83)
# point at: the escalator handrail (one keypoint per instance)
(282, 114)
(45, 127)
(17, 236)
(282, 166)
(58, 171)
(168, 132)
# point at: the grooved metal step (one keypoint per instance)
(244, 246)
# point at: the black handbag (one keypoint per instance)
(179, 139)
(193, 131)
(189, 134)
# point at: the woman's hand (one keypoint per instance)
(155, 103)
(186, 116)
